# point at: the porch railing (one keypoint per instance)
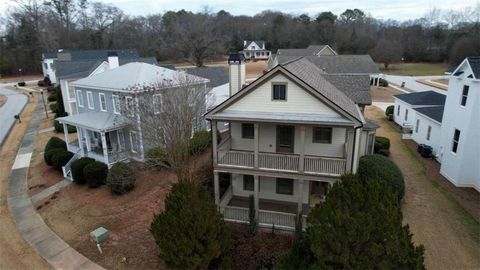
(334, 166)
(236, 158)
(278, 161)
(227, 196)
(280, 219)
(235, 214)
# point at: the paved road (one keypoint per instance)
(14, 105)
(410, 82)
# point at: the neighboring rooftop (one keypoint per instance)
(433, 112)
(217, 75)
(474, 62)
(423, 98)
(260, 43)
(356, 87)
(70, 55)
(137, 77)
(310, 50)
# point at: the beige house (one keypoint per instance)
(292, 133)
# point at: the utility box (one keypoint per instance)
(99, 235)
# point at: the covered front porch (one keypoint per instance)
(101, 136)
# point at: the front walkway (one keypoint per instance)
(450, 235)
(29, 223)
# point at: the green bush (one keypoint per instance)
(190, 232)
(379, 167)
(95, 173)
(200, 140)
(77, 169)
(121, 178)
(381, 143)
(53, 143)
(52, 97)
(359, 226)
(60, 157)
(59, 127)
(53, 107)
(48, 154)
(383, 83)
(390, 109)
(157, 158)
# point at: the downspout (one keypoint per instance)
(353, 146)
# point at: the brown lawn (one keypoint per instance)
(254, 69)
(10, 79)
(450, 235)
(384, 94)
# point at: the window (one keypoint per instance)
(463, 102)
(157, 103)
(116, 104)
(279, 91)
(121, 140)
(406, 114)
(45, 66)
(133, 141)
(429, 130)
(79, 98)
(398, 110)
(90, 100)
(284, 186)
(103, 102)
(247, 131)
(248, 182)
(456, 138)
(129, 106)
(191, 97)
(322, 135)
(416, 126)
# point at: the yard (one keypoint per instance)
(415, 69)
(448, 232)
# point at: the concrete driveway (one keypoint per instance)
(14, 105)
(412, 84)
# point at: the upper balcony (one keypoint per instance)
(277, 149)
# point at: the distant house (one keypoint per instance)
(107, 104)
(449, 123)
(255, 49)
(49, 59)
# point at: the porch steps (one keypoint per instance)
(67, 169)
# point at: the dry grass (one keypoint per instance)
(383, 94)
(21, 78)
(254, 69)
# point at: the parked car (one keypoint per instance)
(45, 82)
(21, 84)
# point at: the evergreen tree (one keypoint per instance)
(359, 226)
(191, 233)
(252, 220)
(300, 256)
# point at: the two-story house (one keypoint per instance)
(292, 133)
(111, 110)
(255, 49)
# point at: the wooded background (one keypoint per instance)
(36, 26)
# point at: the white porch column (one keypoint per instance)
(300, 195)
(216, 188)
(214, 142)
(80, 143)
(87, 141)
(255, 194)
(104, 146)
(378, 80)
(65, 132)
(301, 163)
(255, 145)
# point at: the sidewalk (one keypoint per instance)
(29, 223)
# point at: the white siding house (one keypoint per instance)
(255, 49)
(406, 104)
(426, 127)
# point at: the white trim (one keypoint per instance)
(116, 102)
(90, 104)
(102, 108)
(130, 108)
(80, 98)
(157, 110)
(131, 141)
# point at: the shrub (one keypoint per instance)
(59, 127)
(200, 140)
(381, 168)
(190, 232)
(60, 157)
(390, 110)
(77, 169)
(51, 88)
(381, 143)
(48, 154)
(95, 173)
(121, 178)
(383, 82)
(53, 107)
(55, 142)
(52, 97)
(157, 158)
(353, 231)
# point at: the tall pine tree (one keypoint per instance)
(359, 226)
(191, 233)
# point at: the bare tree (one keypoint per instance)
(387, 52)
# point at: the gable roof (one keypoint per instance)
(310, 50)
(216, 75)
(71, 55)
(83, 68)
(260, 43)
(49, 55)
(423, 98)
(138, 76)
(474, 62)
(433, 112)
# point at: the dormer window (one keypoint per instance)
(279, 91)
(463, 102)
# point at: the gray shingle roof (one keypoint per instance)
(311, 75)
(98, 54)
(423, 98)
(356, 87)
(49, 55)
(434, 112)
(474, 62)
(370, 124)
(98, 121)
(216, 75)
(310, 50)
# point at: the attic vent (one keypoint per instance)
(470, 76)
(458, 73)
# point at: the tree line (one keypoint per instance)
(36, 26)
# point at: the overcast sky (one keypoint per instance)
(381, 9)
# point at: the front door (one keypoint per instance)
(285, 139)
